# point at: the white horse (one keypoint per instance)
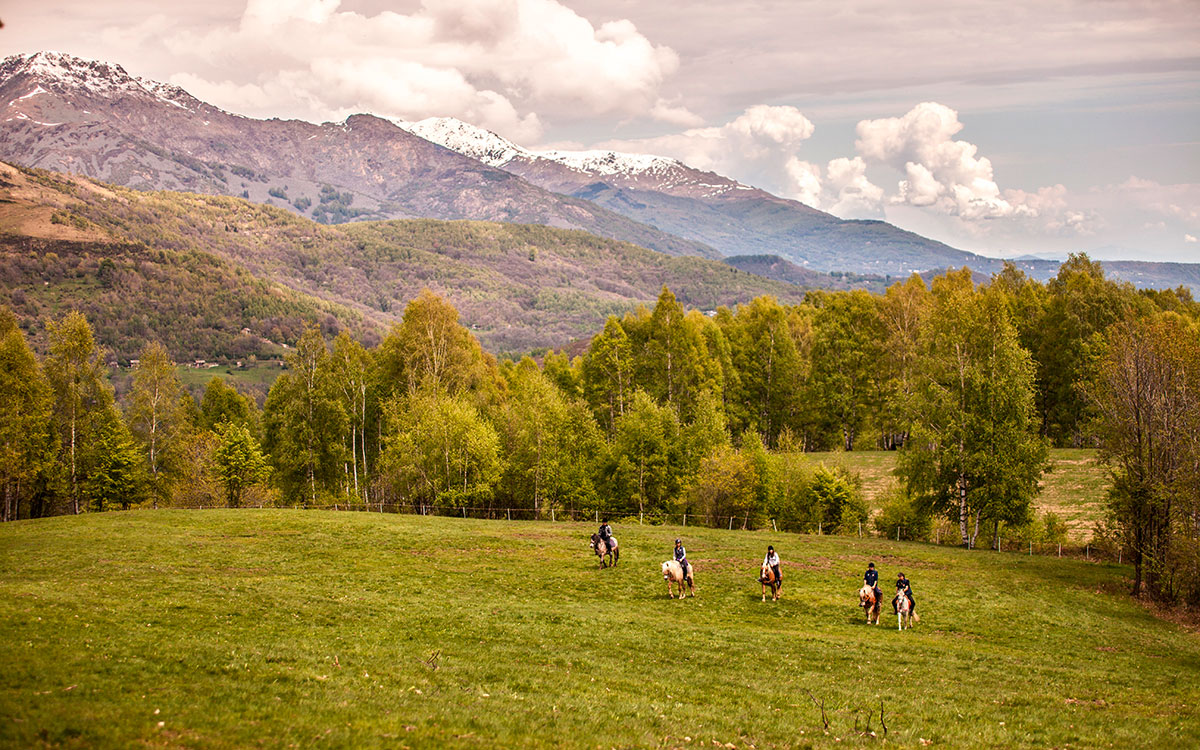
(672, 573)
(904, 612)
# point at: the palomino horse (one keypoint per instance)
(673, 574)
(904, 613)
(869, 603)
(768, 580)
(601, 549)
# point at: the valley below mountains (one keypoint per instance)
(224, 277)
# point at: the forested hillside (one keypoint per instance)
(518, 287)
(668, 411)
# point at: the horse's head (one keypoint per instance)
(666, 570)
(866, 595)
(768, 574)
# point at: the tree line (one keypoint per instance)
(666, 410)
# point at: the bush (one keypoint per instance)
(899, 510)
(838, 495)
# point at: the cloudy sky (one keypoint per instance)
(1001, 126)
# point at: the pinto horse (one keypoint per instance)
(672, 573)
(904, 613)
(768, 580)
(601, 549)
(869, 603)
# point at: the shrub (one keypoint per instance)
(899, 510)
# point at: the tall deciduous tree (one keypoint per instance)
(223, 403)
(770, 370)
(644, 463)
(155, 415)
(1081, 304)
(1147, 394)
(903, 311)
(352, 377)
(305, 422)
(608, 373)
(430, 349)
(437, 447)
(974, 452)
(26, 433)
(847, 353)
(75, 369)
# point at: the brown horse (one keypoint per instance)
(673, 574)
(768, 580)
(601, 548)
(870, 604)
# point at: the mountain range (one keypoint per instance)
(221, 277)
(68, 114)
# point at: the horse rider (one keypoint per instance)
(605, 533)
(903, 587)
(871, 578)
(681, 557)
(772, 559)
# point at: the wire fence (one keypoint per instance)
(1102, 551)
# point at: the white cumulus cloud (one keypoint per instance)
(501, 64)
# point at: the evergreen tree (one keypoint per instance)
(239, 461)
(116, 471)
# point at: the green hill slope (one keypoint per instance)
(1075, 488)
(518, 286)
(290, 628)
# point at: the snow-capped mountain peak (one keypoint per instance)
(57, 72)
(612, 162)
(497, 151)
(467, 139)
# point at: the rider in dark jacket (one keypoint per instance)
(871, 578)
(681, 557)
(904, 587)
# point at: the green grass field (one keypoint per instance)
(1075, 488)
(285, 628)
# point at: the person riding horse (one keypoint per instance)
(606, 534)
(871, 578)
(772, 560)
(903, 586)
(681, 557)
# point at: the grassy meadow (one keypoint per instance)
(278, 628)
(1075, 487)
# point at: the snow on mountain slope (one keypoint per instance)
(567, 171)
(58, 72)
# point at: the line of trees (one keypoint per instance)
(666, 411)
